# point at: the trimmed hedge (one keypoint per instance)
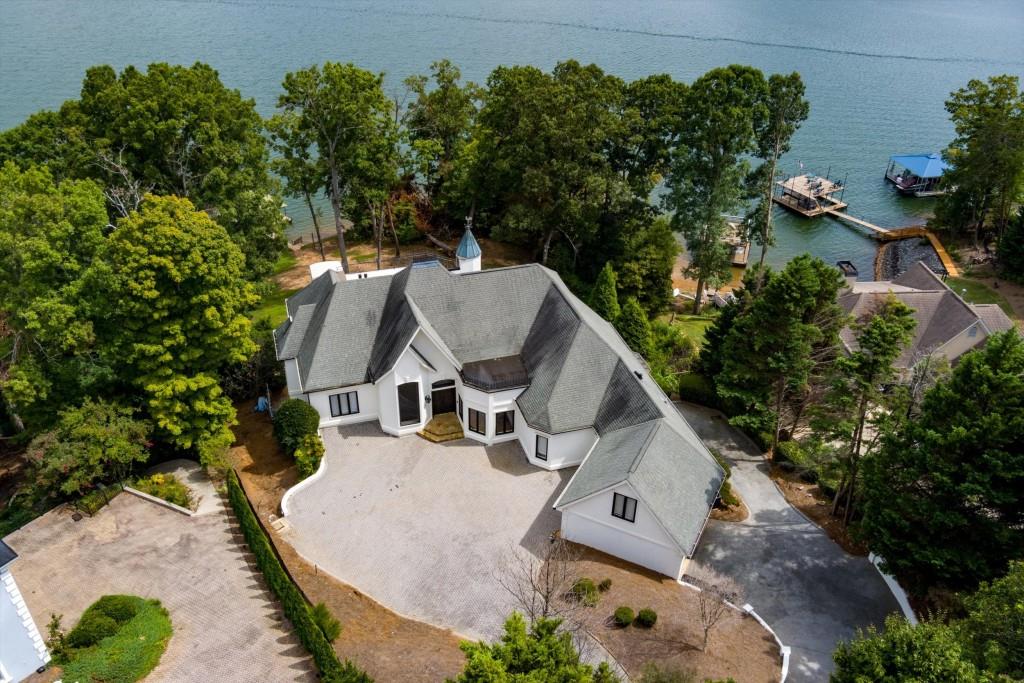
(91, 628)
(294, 420)
(697, 388)
(295, 606)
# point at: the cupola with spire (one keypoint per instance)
(468, 251)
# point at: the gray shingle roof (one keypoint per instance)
(581, 373)
(993, 316)
(7, 554)
(940, 314)
(647, 456)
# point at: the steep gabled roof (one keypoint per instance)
(647, 457)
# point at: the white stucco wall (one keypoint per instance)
(410, 368)
(564, 450)
(21, 650)
(643, 542)
(491, 404)
(368, 405)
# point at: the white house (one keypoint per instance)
(22, 651)
(517, 357)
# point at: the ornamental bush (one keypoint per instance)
(295, 419)
(93, 627)
(624, 616)
(646, 617)
(120, 608)
(585, 591)
(166, 487)
(308, 455)
(605, 586)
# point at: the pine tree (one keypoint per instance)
(634, 327)
(604, 298)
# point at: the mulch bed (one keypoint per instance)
(739, 647)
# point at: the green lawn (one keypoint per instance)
(286, 262)
(979, 293)
(693, 326)
(272, 307)
(129, 654)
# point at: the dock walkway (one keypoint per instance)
(887, 235)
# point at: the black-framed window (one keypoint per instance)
(624, 507)
(344, 404)
(541, 452)
(458, 400)
(477, 421)
(505, 422)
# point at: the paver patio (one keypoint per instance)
(425, 528)
(227, 625)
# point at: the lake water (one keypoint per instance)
(877, 73)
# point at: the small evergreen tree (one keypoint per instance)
(604, 298)
(542, 653)
(634, 327)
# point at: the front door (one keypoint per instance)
(443, 400)
(409, 403)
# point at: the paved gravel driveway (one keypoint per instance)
(423, 528)
(227, 625)
(805, 586)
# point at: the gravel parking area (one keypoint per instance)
(424, 528)
(227, 625)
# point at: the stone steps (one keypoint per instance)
(444, 427)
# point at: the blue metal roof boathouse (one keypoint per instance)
(917, 174)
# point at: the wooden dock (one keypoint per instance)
(890, 234)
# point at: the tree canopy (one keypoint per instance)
(167, 130)
(944, 497)
(539, 654)
(173, 293)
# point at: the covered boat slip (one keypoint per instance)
(918, 175)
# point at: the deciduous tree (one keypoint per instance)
(706, 179)
(173, 292)
(993, 631)
(94, 443)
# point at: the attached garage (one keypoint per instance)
(641, 496)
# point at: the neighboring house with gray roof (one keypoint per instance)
(517, 357)
(947, 326)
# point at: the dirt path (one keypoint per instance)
(384, 644)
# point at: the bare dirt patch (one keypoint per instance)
(810, 500)
(739, 648)
(387, 646)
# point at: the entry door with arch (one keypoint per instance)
(409, 403)
(442, 397)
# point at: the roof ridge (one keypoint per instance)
(655, 424)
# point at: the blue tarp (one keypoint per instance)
(922, 165)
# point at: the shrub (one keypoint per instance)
(652, 673)
(308, 455)
(330, 626)
(120, 608)
(646, 617)
(166, 487)
(604, 586)
(585, 591)
(93, 627)
(725, 494)
(294, 603)
(93, 502)
(624, 616)
(698, 389)
(56, 640)
(294, 420)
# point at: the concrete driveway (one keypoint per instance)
(424, 528)
(227, 625)
(805, 586)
